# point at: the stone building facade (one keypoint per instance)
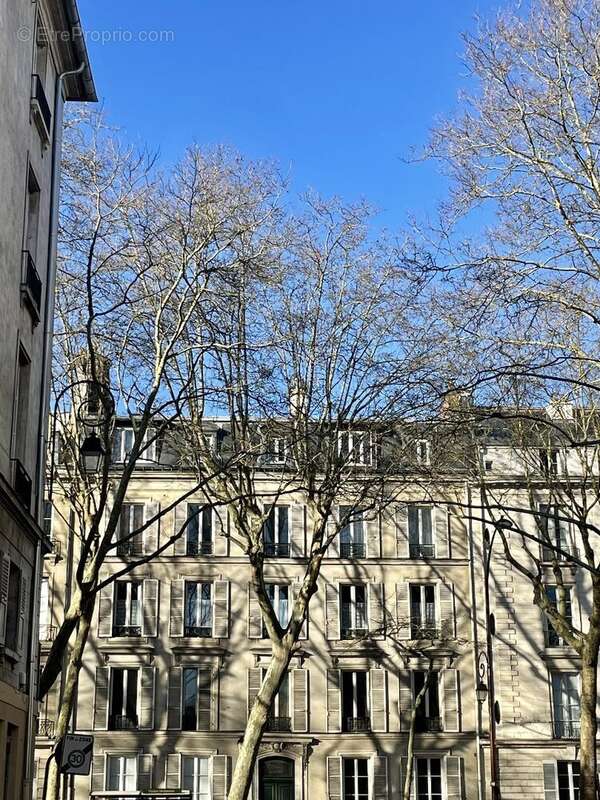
(37, 43)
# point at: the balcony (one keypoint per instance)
(31, 287)
(357, 724)
(566, 729)
(279, 724)
(40, 109)
(131, 547)
(22, 484)
(48, 633)
(127, 630)
(197, 631)
(428, 724)
(122, 722)
(354, 633)
(352, 550)
(45, 727)
(417, 550)
(424, 630)
(277, 549)
(199, 549)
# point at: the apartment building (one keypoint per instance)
(38, 42)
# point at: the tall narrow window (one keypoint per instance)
(22, 418)
(198, 619)
(353, 617)
(279, 718)
(196, 777)
(352, 535)
(130, 520)
(355, 774)
(555, 531)
(423, 458)
(121, 774)
(428, 778)
(354, 447)
(44, 610)
(13, 607)
(47, 519)
(420, 532)
(33, 215)
(568, 780)
(196, 691)
(552, 637)
(278, 594)
(199, 531)
(355, 710)
(565, 700)
(277, 449)
(123, 714)
(128, 617)
(422, 611)
(428, 712)
(276, 534)
(549, 462)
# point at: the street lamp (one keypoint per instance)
(92, 452)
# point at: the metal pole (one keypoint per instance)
(489, 623)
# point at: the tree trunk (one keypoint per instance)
(589, 722)
(244, 766)
(67, 701)
(410, 746)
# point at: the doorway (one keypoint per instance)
(276, 779)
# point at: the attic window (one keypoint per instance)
(423, 452)
(355, 447)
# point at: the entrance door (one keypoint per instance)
(276, 777)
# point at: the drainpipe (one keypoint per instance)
(45, 402)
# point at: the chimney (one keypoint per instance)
(298, 398)
(455, 401)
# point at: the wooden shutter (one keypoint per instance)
(254, 684)
(332, 524)
(105, 610)
(334, 778)
(174, 712)
(150, 607)
(453, 778)
(405, 698)
(447, 618)
(300, 700)
(304, 629)
(150, 536)
(116, 448)
(4, 579)
(221, 609)
(297, 536)
(220, 523)
(144, 772)
(380, 778)
(173, 770)
(403, 610)
(373, 534)
(378, 704)
(442, 545)
(179, 521)
(550, 781)
(147, 698)
(451, 700)
(204, 710)
(332, 611)
(177, 593)
(402, 548)
(334, 701)
(98, 772)
(255, 625)
(23, 606)
(101, 699)
(219, 778)
(376, 610)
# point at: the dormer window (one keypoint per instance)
(123, 439)
(277, 450)
(355, 447)
(423, 453)
(549, 461)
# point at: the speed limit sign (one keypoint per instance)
(76, 755)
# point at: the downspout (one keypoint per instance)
(45, 402)
(474, 610)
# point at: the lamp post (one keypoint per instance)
(92, 452)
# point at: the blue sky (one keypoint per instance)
(336, 91)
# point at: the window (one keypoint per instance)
(355, 773)
(199, 531)
(420, 532)
(565, 701)
(131, 519)
(279, 718)
(352, 535)
(428, 712)
(123, 713)
(277, 450)
(196, 777)
(123, 439)
(47, 518)
(33, 214)
(22, 410)
(423, 453)
(548, 461)
(276, 532)
(354, 611)
(555, 532)
(355, 711)
(41, 52)
(198, 613)
(428, 778)
(127, 616)
(568, 780)
(121, 774)
(13, 607)
(422, 611)
(354, 447)
(552, 637)
(44, 610)
(196, 689)
(279, 596)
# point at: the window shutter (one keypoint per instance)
(402, 549)
(550, 781)
(373, 537)
(150, 534)
(378, 686)
(105, 610)
(304, 628)
(380, 778)
(177, 591)
(174, 712)
(376, 610)
(23, 606)
(221, 609)
(332, 611)
(220, 522)
(403, 768)
(40, 767)
(254, 615)
(405, 698)
(254, 684)
(300, 700)
(333, 551)
(334, 721)
(101, 699)
(334, 778)
(453, 778)
(219, 778)
(147, 698)
(447, 619)
(179, 520)
(144, 772)
(451, 701)
(4, 578)
(403, 610)
(205, 691)
(116, 448)
(173, 770)
(442, 545)
(297, 536)
(150, 608)
(98, 772)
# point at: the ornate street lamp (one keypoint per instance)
(91, 452)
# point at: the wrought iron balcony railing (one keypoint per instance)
(277, 549)
(417, 550)
(127, 630)
(357, 724)
(354, 633)
(279, 724)
(199, 549)
(31, 287)
(123, 722)
(566, 729)
(45, 727)
(198, 631)
(424, 630)
(131, 547)
(48, 633)
(353, 550)
(428, 724)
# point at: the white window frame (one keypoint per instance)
(423, 448)
(550, 519)
(199, 601)
(360, 452)
(429, 758)
(196, 774)
(126, 672)
(122, 758)
(569, 775)
(128, 603)
(276, 601)
(277, 450)
(198, 668)
(355, 528)
(436, 685)
(147, 454)
(274, 711)
(557, 677)
(569, 589)
(277, 510)
(200, 520)
(44, 621)
(48, 518)
(353, 606)
(356, 758)
(423, 605)
(420, 508)
(354, 673)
